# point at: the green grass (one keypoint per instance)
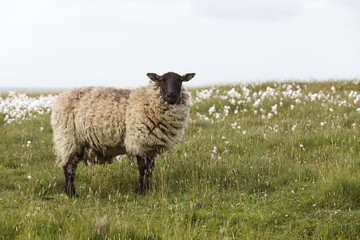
(266, 180)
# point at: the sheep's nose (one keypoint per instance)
(171, 95)
(171, 98)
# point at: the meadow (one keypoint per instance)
(258, 161)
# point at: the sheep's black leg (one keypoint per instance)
(150, 164)
(69, 172)
(141, 172)
(145, 167)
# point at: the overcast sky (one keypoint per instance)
(67, 43)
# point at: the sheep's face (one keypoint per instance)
(170, 85)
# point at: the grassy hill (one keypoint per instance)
(266, 161)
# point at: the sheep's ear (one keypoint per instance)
(187, 77)
(154, 77)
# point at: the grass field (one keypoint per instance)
(258, 161)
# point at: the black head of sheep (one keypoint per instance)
(170, 85)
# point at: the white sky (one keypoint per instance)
(66, 43)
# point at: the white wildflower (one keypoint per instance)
(213, 152)
(235, 94)
(120, 158)
(203, 94)
(212, 110)
(274, 109)
(202, 117)
(257, 103)
(234, 125)
(302, 147)
(226, 110)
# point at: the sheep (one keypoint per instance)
(95, 124)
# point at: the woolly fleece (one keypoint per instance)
(95, 124)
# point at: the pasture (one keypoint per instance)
(258, 161)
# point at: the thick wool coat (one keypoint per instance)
(95, 124)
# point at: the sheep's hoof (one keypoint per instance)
(140, 191)
(71, 193)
